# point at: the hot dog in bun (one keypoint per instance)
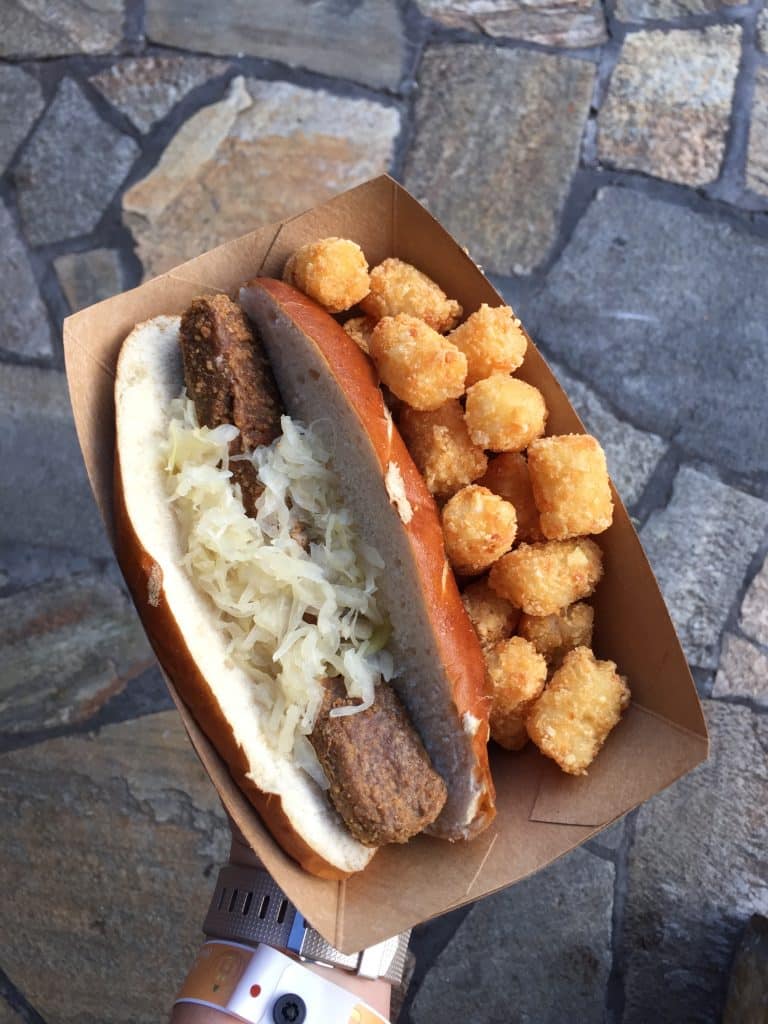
(287, 560)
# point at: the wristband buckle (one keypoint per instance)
(248, 906)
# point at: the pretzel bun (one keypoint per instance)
(440, 675)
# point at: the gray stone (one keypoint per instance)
(666, 308)
(358, 39)
(111, 838)
(33, 28)
(265, 140)
(8, 1015)
(668, 107)
(24, 565)
(754, 609)
(497, 139)
(538, 952)
(668, 10)
(145, 89)
(21, 103)
(632, 454)
(700, 546)
(762, 30)
(748, 983)
(44, 492)
(74, 156)
(24, 326)
(757, 149)
(609, 840)
(88, 277)
(66, 647)
(573, 23)
(696, 874)
(743, 671)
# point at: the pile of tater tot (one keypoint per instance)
(517, 507)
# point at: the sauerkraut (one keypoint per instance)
(294, 588)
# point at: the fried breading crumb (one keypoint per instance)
(398, 287)
(570, 483)
(478, 527)
(416, 363)
(517, 674)
(332, 271)
(507, 475)
(359, 329)
(544, 578)
(572, 718)
(442, 448)
(505, 414)
(494, 618)
(493, 341)
(555, 635)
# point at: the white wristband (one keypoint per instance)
(264, 986)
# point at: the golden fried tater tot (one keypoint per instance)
(544, 578)
(572, 718)
(492, 340)
(517, 674)
(555, 635)
(570, 483)
(359, 329)
(332, 271)
(494, 618)
(507, 475)
(505, 414)
(442, 448)
(478, 527)
(416, 363)
(397, 287)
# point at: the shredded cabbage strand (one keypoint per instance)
(294, 588)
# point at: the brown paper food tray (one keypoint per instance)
(542, 813)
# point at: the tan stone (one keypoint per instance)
(669, 100)
(754, 608)
(762, 29)
(497, 140)
(757, 151)
(268, 150)
(667, 10)
(145, 89)
(554, 22)
(109, 845)
(48, 28)
(66, 648)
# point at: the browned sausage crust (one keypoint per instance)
(381, 779)
(229, 379)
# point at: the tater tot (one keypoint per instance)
(332, 271)
(507, 475)
(416, 363)
(544, 578)
(442, 448)
(517, 674)
(570, 483)
(492, 340)
(359, 329)
(555, 635)
(572, 718)
(478, 527)
(505, 414)
(494, 618)
(397, 287)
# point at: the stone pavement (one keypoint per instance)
(607, 163)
